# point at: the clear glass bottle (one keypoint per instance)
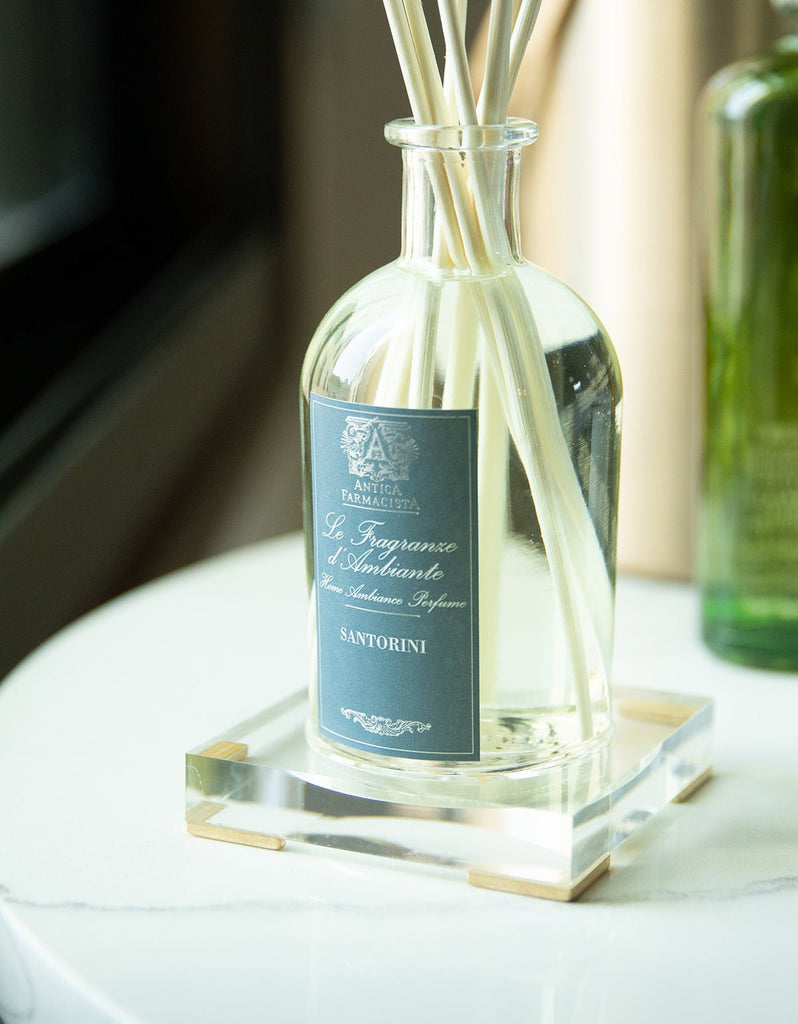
(461, 433)
(748, 566)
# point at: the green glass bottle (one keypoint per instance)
(749, 228)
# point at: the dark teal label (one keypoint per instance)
(395, 533)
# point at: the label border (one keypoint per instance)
(470, 417)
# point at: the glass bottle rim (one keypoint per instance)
(516, 132)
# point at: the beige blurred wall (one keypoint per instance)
(607, 201)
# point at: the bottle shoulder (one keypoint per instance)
(374, 316)
(374, 302)
(740, 90)
(557, 306)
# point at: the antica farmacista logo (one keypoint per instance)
(378, 449)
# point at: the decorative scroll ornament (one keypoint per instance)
(384, 726)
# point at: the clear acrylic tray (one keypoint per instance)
(548, 832)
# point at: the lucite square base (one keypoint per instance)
(547, 832)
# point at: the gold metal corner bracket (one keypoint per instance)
(563, 893)
(198, 819)
(241, 836)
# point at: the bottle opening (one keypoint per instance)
(459, 138)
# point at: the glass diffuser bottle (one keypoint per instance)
(749, 531)
(461, 432)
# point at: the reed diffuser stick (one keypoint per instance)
(523, 27)
(457, 62)
(492, 106)
(476, 238)
(492, 448)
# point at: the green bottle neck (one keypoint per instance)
(787, 11)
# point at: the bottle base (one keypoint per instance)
(759, 633)
(511, 744)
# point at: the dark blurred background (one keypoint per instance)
(162, 266)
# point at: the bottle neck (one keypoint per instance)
(461, 196)
(439, 227)
(788, 17)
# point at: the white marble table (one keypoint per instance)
(109, 911)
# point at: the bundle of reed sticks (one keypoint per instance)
(516, 395)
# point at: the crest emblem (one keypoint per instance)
(378, 449)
